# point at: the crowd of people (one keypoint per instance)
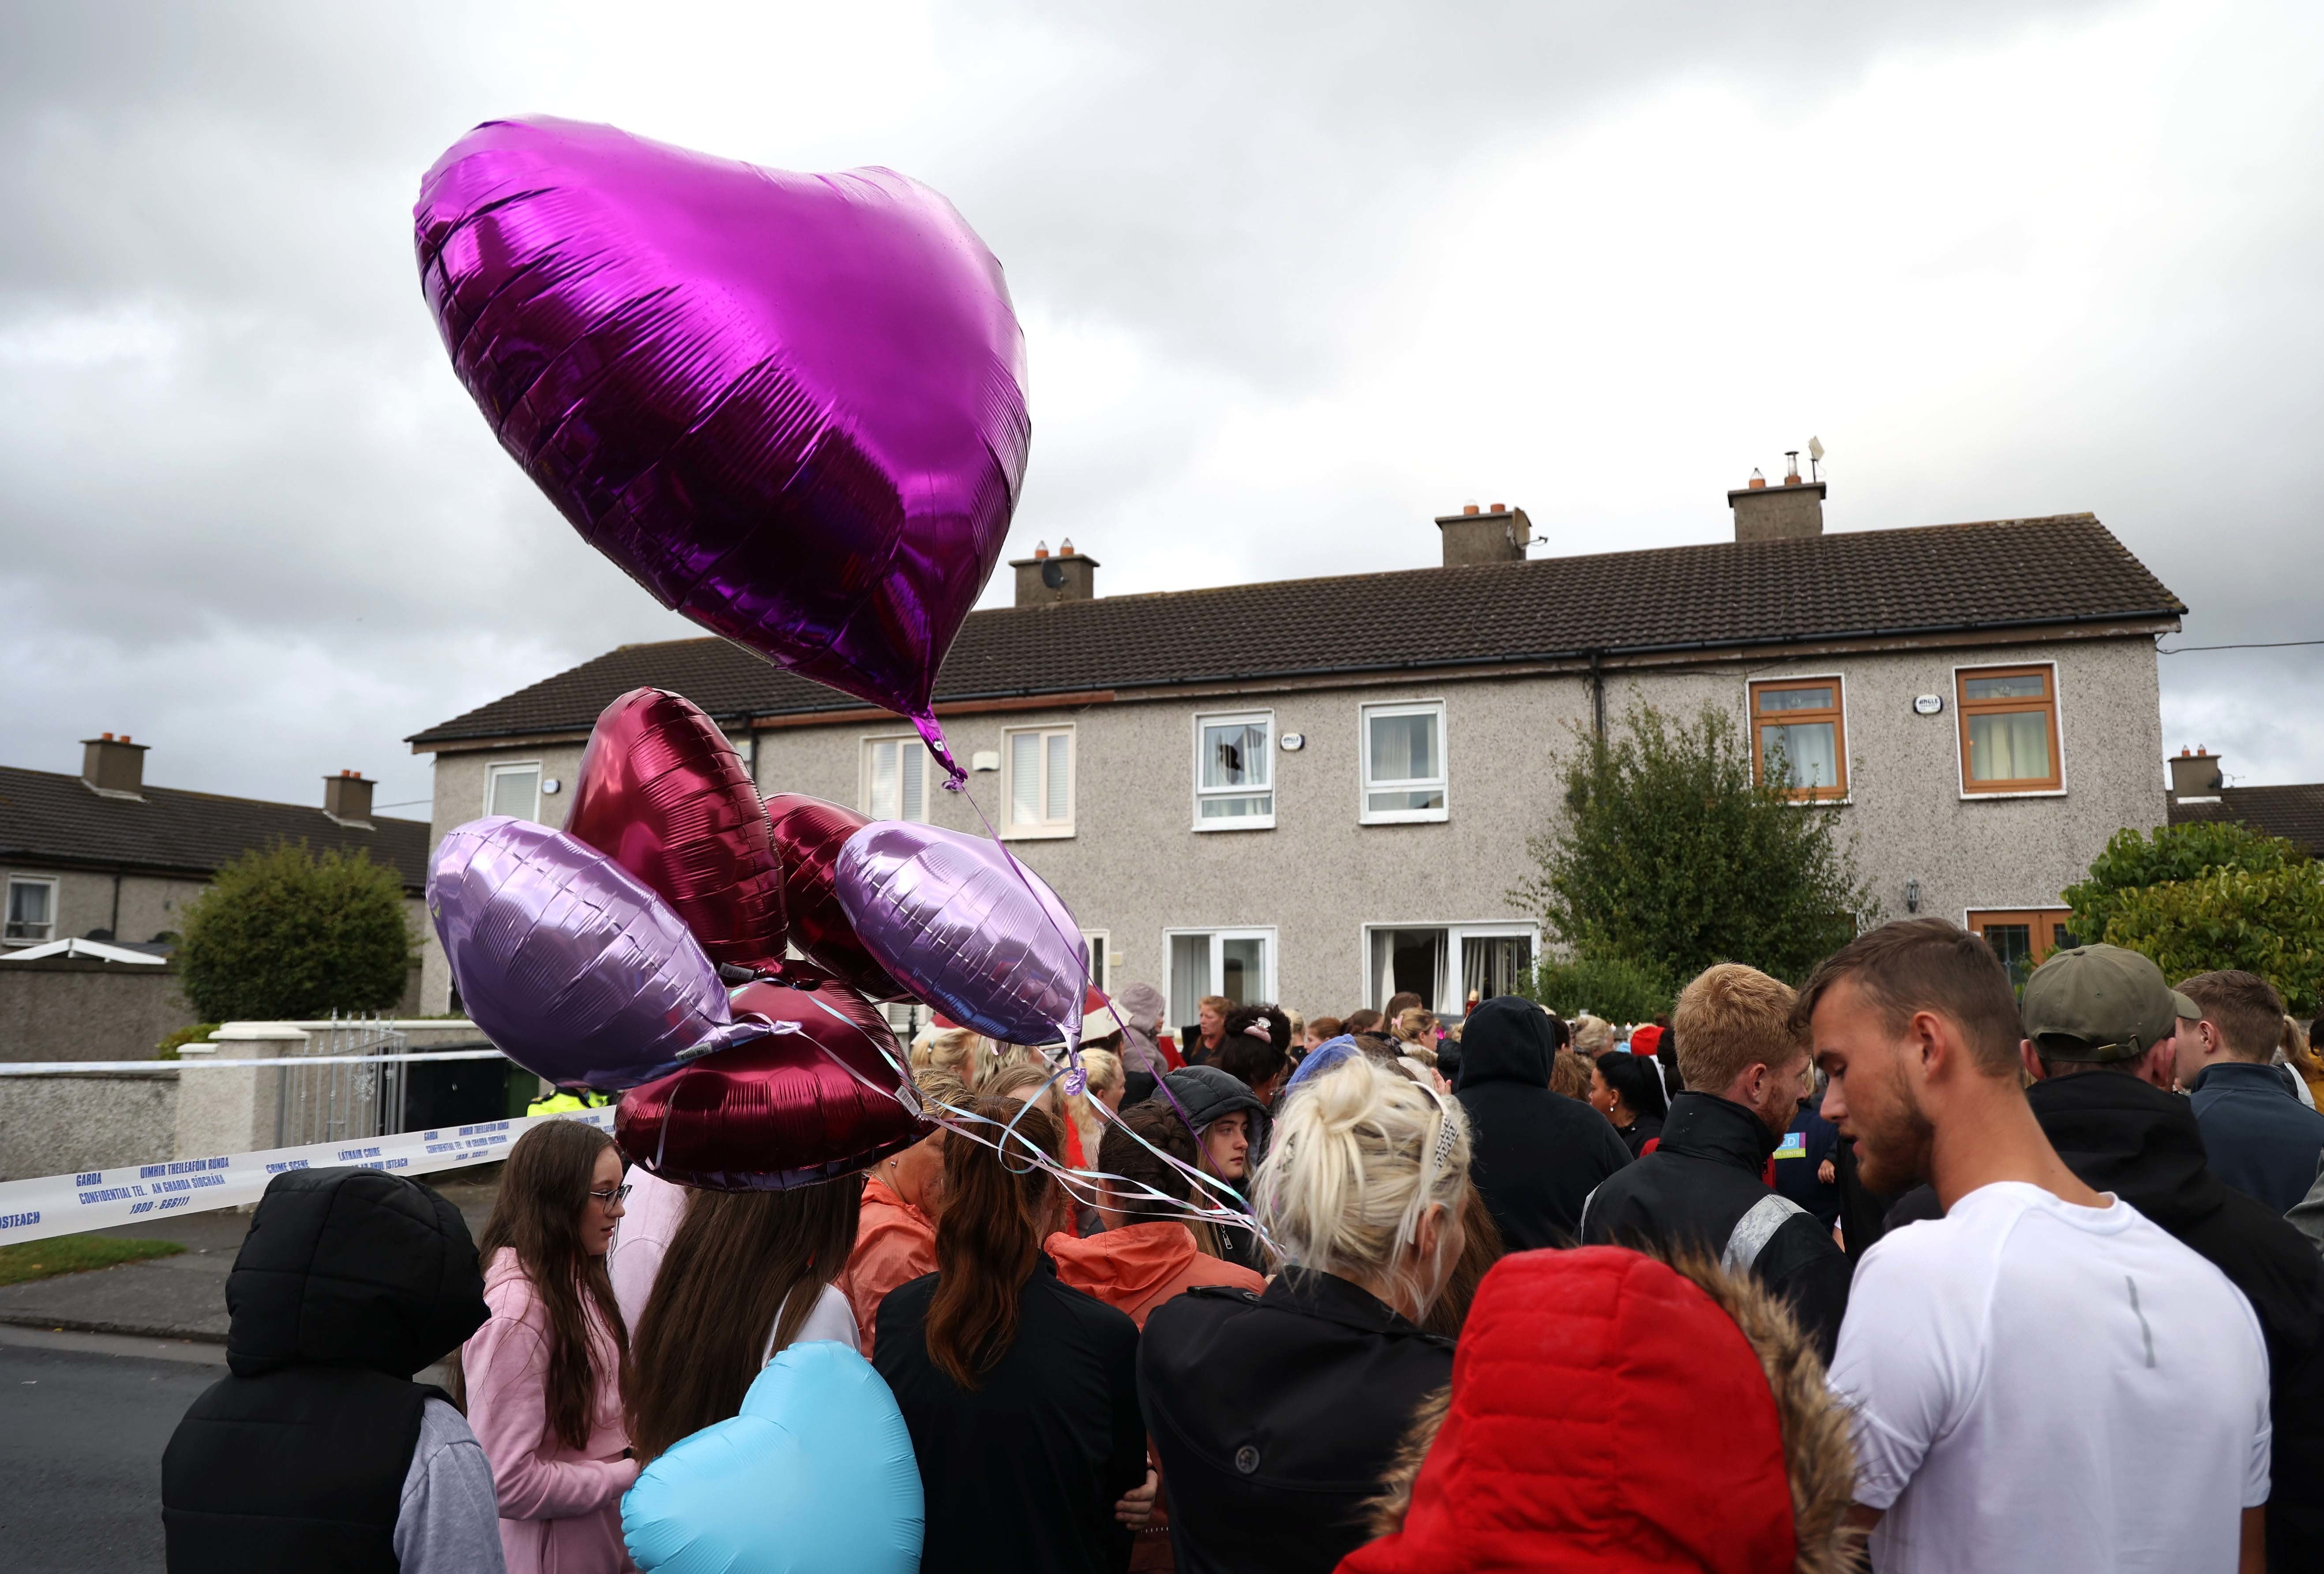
(1897, 1269)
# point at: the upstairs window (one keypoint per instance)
(514, 789)
(1403, 763)
(1040, 786)
(32, 911)
(2008, 729)
(1235, 772)
(895, 779)
(1798, 720)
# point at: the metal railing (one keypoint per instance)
(338, 1103)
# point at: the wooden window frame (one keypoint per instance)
(2046, 924)
(1965, 708)
(1836, 713)
(1044, 829)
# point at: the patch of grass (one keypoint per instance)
(75, 1254)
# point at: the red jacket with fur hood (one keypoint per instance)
(1610, 1413)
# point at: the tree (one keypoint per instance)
(1671, 855)
(1613, 987)
(284, 934)
(2206, 896)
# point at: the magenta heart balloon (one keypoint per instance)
(965, 929)
(792, 407)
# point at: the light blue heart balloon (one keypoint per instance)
(817, 1476)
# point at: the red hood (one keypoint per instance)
(1119, 1266)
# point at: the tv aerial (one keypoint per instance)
(1815, 458)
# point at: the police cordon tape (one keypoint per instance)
(50, 1068)
(53, 1205)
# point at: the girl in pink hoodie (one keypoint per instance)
(543, 1376)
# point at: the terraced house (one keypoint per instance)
(1320, 790)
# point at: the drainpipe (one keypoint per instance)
(1597, 694)
(114, 929)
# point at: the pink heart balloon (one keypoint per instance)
(792, 407)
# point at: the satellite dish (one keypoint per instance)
(1053, 574)
(1815, 449)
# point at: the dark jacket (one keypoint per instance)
(349, 1282)
(1536, 1154)
(1276, 1415)
(1022, 1471)
(2119, 1135)
(1202, 1094)
(2261, 1139)
(1796, 1172)
(1701, 1185)
(1644, 1129)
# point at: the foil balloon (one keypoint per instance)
(808, 834)
(792, 407)
(573, 970)
(663, 793)
(816, 1475)
(966, 929)
(815, 1101)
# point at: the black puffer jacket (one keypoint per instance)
(1704, 1185)
(2120, 1135)
(1276, 1415)
(348, 1283)
(1537, 1154)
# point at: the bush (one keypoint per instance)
(284, 934)
(1611, 987)
(2265, 921)
(1671, 857)
(168, 1048)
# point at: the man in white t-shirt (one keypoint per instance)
(2042, 1379)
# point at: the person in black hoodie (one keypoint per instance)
(1539, 1155)
(1747, 1069)
(319, 1451)
(2098, 1008)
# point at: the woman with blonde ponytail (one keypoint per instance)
(1276, 1414)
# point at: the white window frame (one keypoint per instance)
(1366, 786)
(1454, 934)
(56, 898)
(1047, 829)
(1099, 940)
(1839, 681)
(1960, 754)
(872, 740)
(1220, 935)
(492, 774)
(1266, 719)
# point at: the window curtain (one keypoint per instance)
(1404, 748)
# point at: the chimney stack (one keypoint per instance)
(346, 798)
(113, 767)
(2195, 777)
(1778, 513)
(1493, 535)
(1041, 579)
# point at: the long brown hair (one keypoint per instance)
(988, 1236)
(544, 1189)
(741, 1261)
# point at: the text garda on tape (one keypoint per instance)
(55, 1205)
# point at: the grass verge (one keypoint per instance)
(75, 1254)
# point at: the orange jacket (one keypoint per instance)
(1136, 1268)
(895, 1242)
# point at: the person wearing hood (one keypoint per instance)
(2098, 1008)
(1538, 1154)
(1747, 1069)
(1554, 1448)
(318, 1450)
(1146, 1253)
(1229, 1121)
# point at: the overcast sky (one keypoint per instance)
(1294, 280)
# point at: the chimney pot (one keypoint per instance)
(106, 736)
(1497, 509)
(1791, 511)
(1469, 508)
(1065, 548)
(1041, 579)
(1040, 548)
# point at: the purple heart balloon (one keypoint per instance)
(792, 407)
(965, 929)
(573, 968)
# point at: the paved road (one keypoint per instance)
(81, 1434)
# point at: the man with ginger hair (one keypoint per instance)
(2042, 1379)
(1747, 1069)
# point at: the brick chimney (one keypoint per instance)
(1497, 534)
(1042, 579)
(1778, 514)
(346, 798)
(113, 767)
(2195, 775)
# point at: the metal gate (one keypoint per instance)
(342, 1103)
